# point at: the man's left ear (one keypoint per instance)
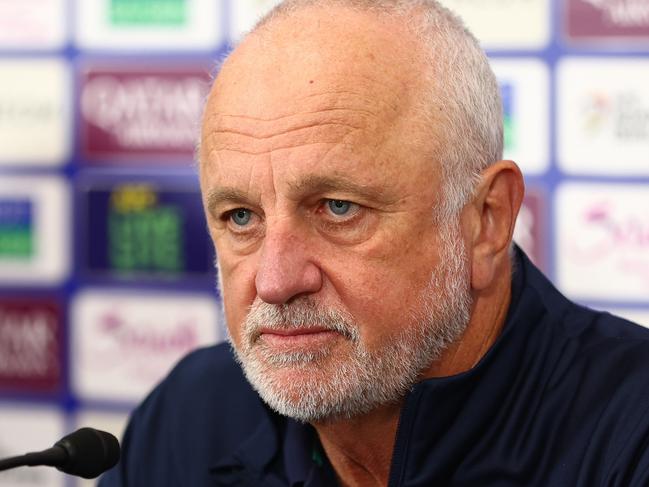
(491, 218)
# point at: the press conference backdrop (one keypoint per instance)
(106, 271)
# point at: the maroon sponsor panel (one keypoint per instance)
(607, 19)
(30, 345)
(142, 113)
(530, 232)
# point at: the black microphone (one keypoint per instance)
(85, 453)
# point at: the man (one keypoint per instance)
(353, 186)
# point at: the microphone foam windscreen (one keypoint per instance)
(90, 452)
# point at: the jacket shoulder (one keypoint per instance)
(199, 413)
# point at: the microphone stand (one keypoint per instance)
(51, 457)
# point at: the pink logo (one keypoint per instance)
(608, 18)
(142, 339)
(140, 349)
(604, 235)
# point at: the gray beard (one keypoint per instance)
(325, 385)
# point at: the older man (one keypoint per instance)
(362, 215)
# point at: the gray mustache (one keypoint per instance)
(301, 313)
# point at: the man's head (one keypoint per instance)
(344, 166)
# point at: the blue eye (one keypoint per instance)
(339, 207)
(241, 216)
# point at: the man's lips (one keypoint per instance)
(297, 337)
(293, 331)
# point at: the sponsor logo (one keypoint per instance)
(623, 115)
(16, 229)
(623, 12)
(33, 107)
(34, 231)
(148, 12)
(608, 19)
(597, 112)
(142, 233)
(152, 113)
(529, 231)
(603, 116)
(123, 344)
(30, 334)
(32, 24)
(604, 241)
(144, 230)
(607, 232)
(524, 90)
(160, 25)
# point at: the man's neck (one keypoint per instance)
(487, 321)
(360, 449)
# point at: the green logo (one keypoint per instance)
(16, 243)
(16, 229)
(144, 235)
(148, 12)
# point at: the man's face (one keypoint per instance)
(319, 185)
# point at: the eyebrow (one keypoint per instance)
(218, 196)
(320, 184)
(308, 185)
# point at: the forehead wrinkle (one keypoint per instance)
(266, 127)
(279, 118)
(269, 135)
(241, 134)
(255, 136)
(255, 147)
(277, 114)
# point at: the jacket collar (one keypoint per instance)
(247, 463)
(260, 461)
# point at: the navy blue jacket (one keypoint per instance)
(561, 399)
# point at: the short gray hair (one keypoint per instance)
(464, 95)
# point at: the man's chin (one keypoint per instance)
(300, 386)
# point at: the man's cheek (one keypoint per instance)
(235, 313)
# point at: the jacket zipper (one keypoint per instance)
(400, 447)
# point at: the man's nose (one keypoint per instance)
(286, 269)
